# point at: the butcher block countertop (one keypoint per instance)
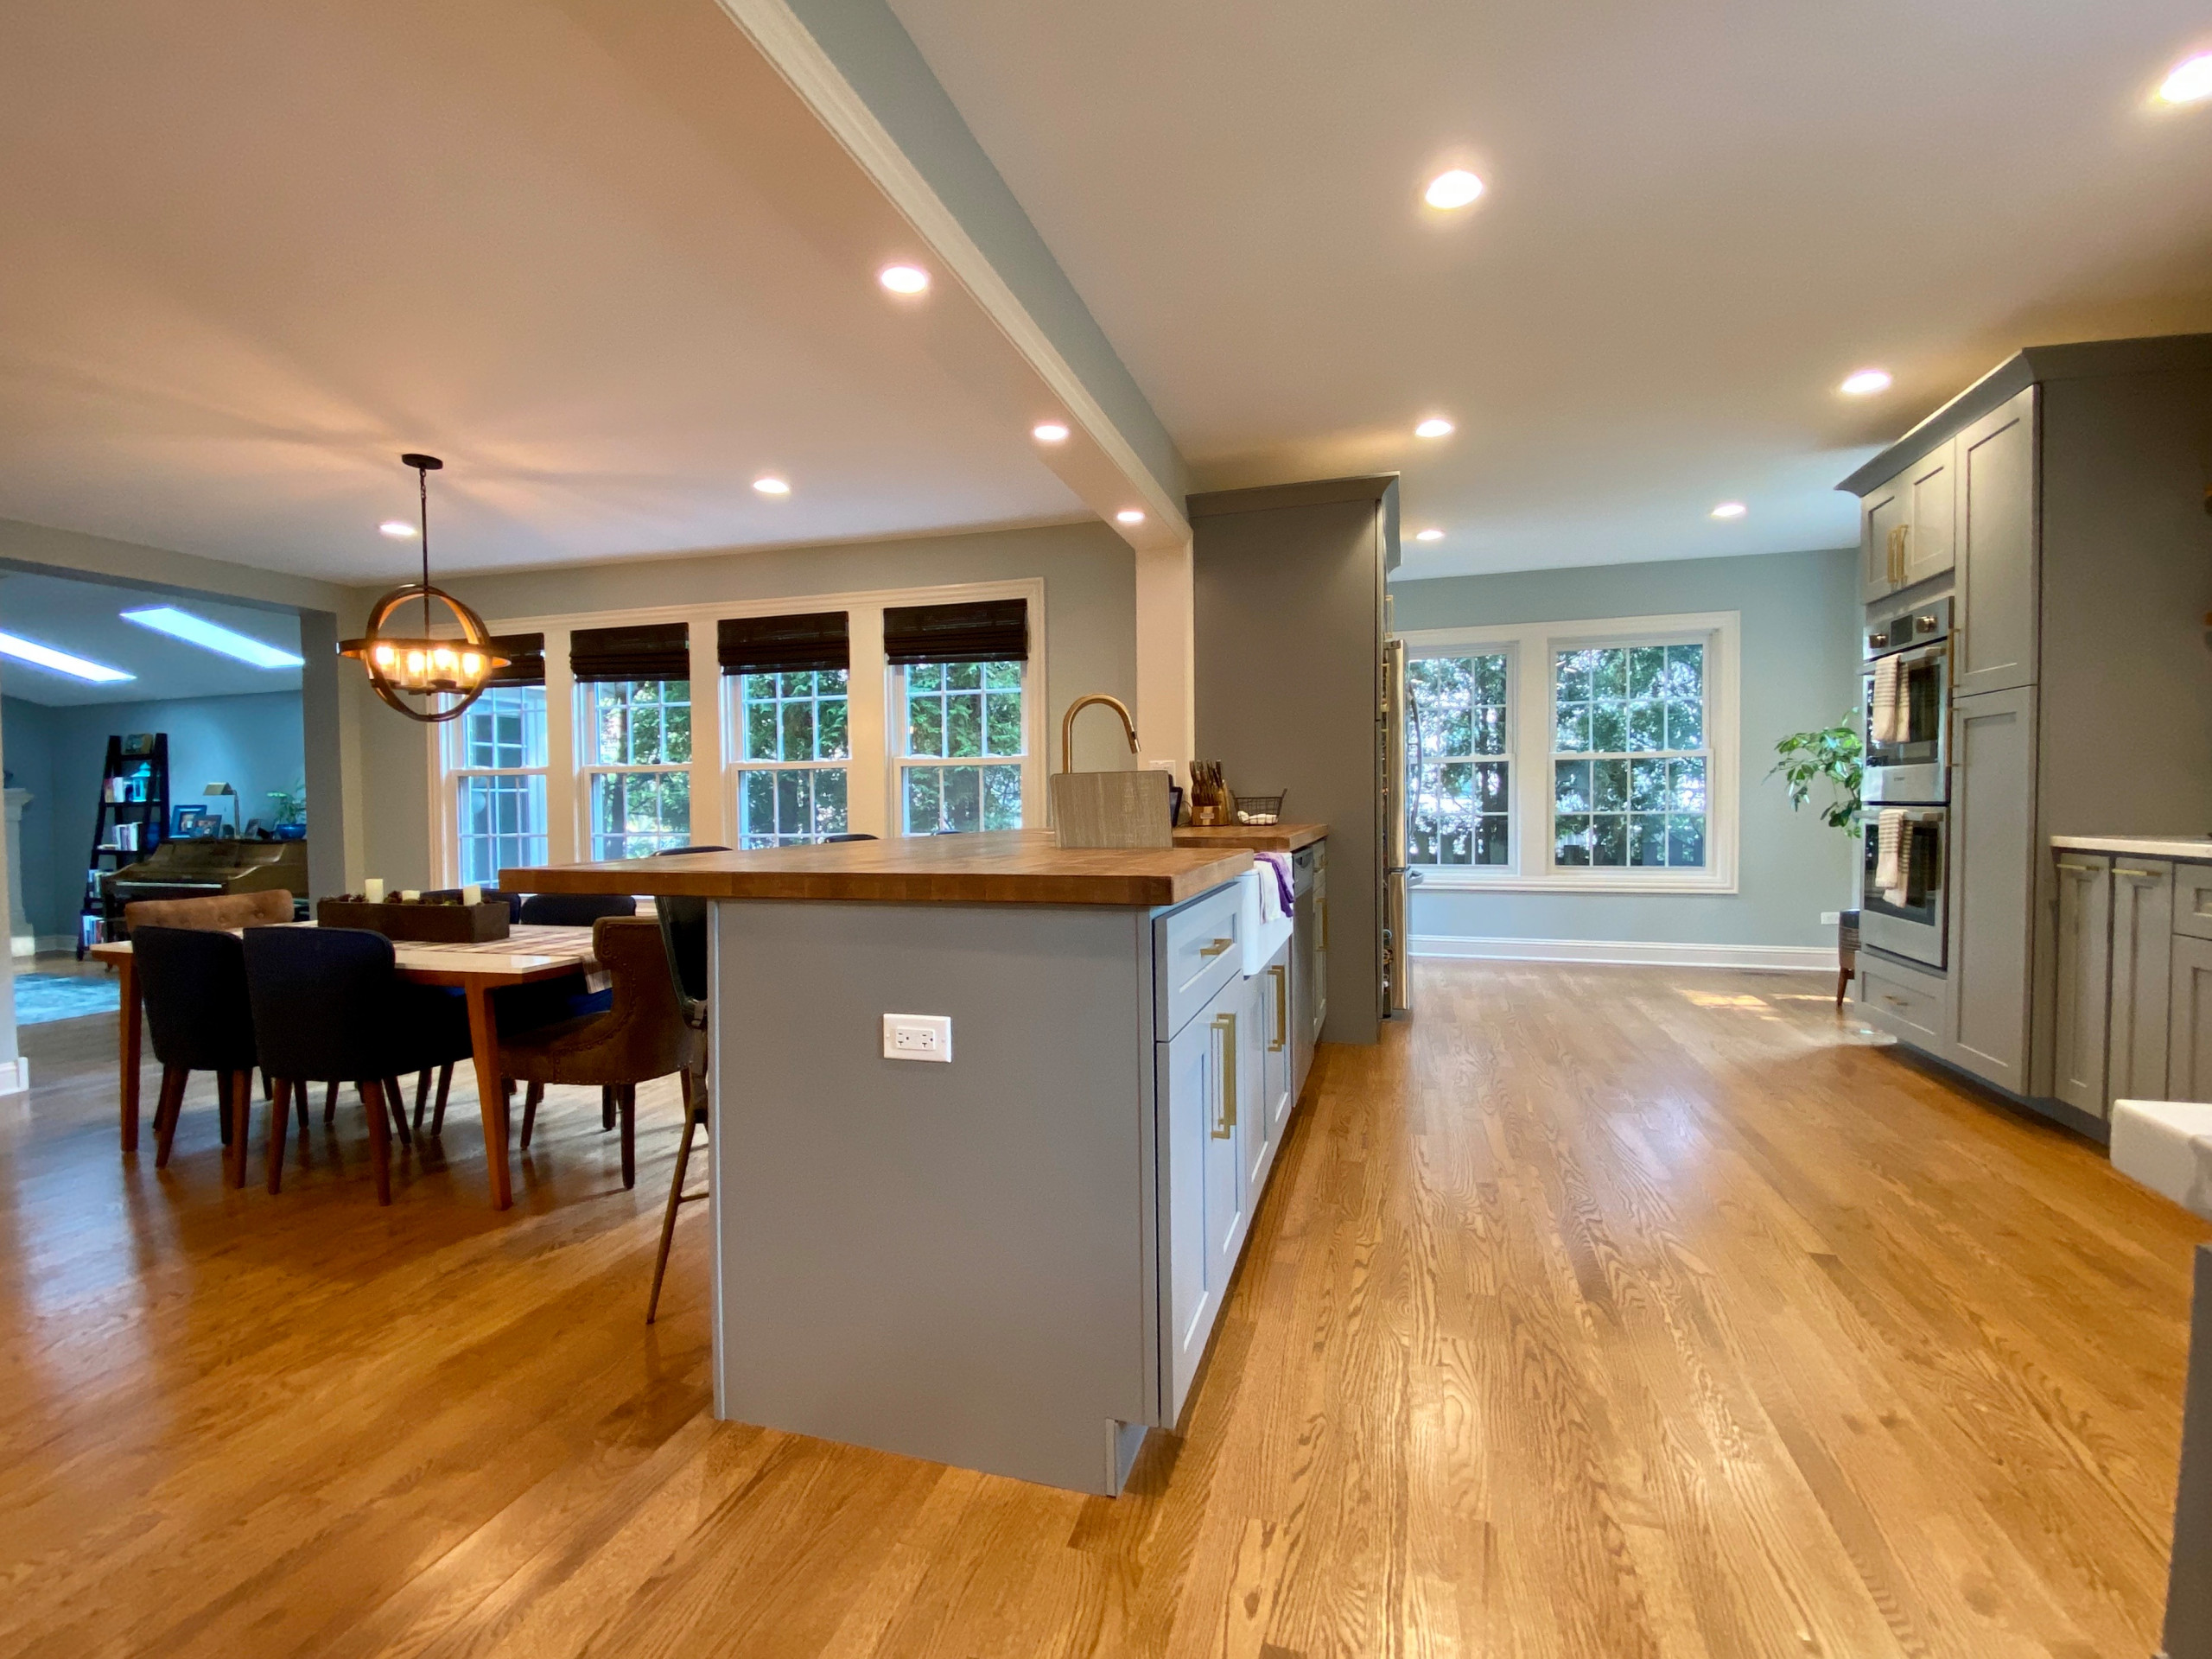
(2184, 847)
(1009, 866)
(1258, 837)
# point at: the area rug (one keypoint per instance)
(42, 997)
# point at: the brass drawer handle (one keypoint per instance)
(1215, 948)
(2135, 875)
(1282, 1008)
(2080, 869)
(1224, 1025)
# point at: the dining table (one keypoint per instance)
(480, 969)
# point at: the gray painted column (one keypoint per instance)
(2189, 1591)
(333, 834)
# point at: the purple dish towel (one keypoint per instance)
(1280, 863)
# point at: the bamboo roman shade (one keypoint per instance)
(526, 655)
(660, 651)
(783, 644)
(987, 631)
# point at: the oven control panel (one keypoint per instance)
(1901, 630)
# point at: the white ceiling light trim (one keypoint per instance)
(1130, 516)
(77, 668)
(211, 635)
(1434, 427)
(398, 529)
(770, 485)
(1730, 510)
(1453, 188)
(1049, 432)
(1428, 535)
(1864, 383)
(2189, 81)
(904, 279)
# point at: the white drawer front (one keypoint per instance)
(1200, 948)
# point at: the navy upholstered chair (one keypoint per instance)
(573, 909)
(197, 1011)
(329, 1006)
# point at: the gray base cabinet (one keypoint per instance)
(2142, 957)
(2189, 1050)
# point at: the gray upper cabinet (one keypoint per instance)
(1992, 878)
(1993, 641)
(1881, 531)
(2082, 1007)
(1930, 486)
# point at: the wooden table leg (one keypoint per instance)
(483, 1042)
(126, 975)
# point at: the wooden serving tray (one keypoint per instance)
(420, 924)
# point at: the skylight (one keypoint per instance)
(211, 636)
(29, 650)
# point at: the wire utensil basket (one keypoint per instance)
(1259, 809)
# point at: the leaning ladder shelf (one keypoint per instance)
(123, 831)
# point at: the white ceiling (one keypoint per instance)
(85, 618)
(595, 255)
(1701, 219)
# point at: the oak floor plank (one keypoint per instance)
(1596, 1313)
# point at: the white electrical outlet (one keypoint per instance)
(1830, 918)
(918, 1037)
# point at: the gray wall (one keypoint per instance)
(1090, 577)
(1800, 670)
(253, 743)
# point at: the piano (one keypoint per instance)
(196, 869)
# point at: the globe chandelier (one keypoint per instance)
(445, 673)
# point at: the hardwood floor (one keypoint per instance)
(1599, 1312)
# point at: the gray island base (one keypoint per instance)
(1010, 1261)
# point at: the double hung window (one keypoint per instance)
(1629, 731)
(497, 762)
(794, 725)
(633, 691)
(961, 673)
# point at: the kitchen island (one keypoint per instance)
(1008, 1251)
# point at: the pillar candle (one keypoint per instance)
(372, 890)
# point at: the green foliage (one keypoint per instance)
(1834, 756)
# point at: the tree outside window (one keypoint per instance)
(961, 768)
(638, 777)
(791, 787)
(1458, 755)
(1630, 761)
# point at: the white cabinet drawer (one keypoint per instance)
(1198, 950)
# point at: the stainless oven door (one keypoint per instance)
(1910, 921)
(1913, 765)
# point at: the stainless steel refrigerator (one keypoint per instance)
(1397, 940)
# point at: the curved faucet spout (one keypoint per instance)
(1067, 725)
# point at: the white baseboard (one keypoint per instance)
(1792, 959)
(14, 1078)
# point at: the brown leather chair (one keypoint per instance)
(642, 1037)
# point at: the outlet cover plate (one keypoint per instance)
(918, 1037)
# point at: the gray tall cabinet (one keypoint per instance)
(1288, 625)
(2062, 504)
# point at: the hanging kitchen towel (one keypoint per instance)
(1889, 863)
(1887, 715)
(1285, 887)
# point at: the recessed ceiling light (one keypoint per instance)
(904, 279)
(2190, 81)
(771, 486)
(1428, 536)
(211, 635)
(28, 651)
(1049, 432)
(1456, 188)
(1434, 427)
(1130, 516)
(1730, 510)
(1862, 383)
(398, 529)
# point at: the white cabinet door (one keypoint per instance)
(1282, 1046)
(1255, 1071)
(1202, 1073)
(1229, 1024)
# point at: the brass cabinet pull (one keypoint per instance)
(1224, 1025)
(1215, 948)
(2126, 875)
(1323, 907)
(1282, 1008)
(2080, 869)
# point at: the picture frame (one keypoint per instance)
(188, 822)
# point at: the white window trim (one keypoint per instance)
(1529, 698)
(445, 793)
(897, 757)
(871, 801)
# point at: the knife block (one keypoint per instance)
(1111, 809)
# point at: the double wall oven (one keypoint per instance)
(1908, 780)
